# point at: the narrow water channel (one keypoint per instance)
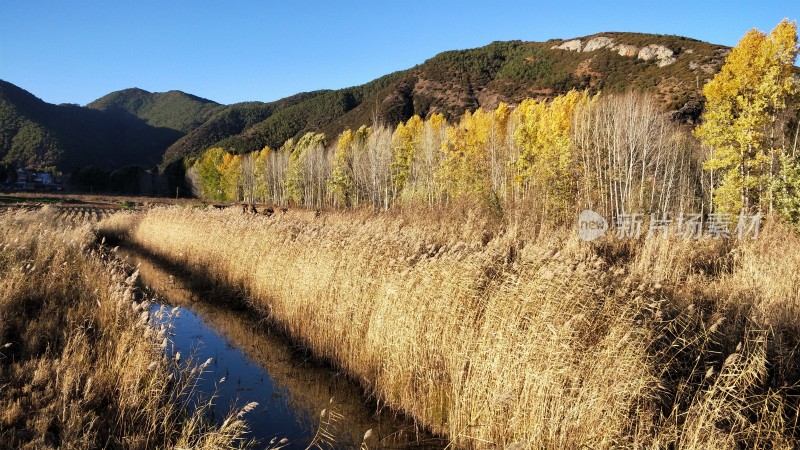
(260, 366)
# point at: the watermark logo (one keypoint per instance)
(688, 226)
(591, 225)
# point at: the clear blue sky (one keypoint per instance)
(232, 51)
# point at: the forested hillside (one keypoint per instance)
(37, 134)
(672, 68)
(134, 126)
(175, 110)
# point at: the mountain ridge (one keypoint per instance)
(37, 134)
(173, 109)
(135, 126)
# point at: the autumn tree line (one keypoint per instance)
(613, 154)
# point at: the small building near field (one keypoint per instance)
(37, 181)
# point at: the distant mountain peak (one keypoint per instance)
(174, 109)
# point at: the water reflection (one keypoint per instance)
(259, 366)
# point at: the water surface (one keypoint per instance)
(259, 365)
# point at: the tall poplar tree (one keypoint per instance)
(743, 102)
(208, 169)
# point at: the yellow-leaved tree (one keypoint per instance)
(465, 168)
(740, 123)
(231, 171)
(342, 184)
(261, 189)
(405, 141)
(209, 176)
(547, 162)
(307, 171)
(424, 184)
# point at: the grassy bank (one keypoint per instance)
(81, 365)
(512, 334)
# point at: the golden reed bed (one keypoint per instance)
(514, 335)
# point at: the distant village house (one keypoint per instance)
(38, 181)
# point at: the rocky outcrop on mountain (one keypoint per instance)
(573, 45)
(627, 50)
(664, 55)
(597, 43)
(661, 54)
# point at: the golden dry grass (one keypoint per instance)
(81, 365)
(513, 335)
